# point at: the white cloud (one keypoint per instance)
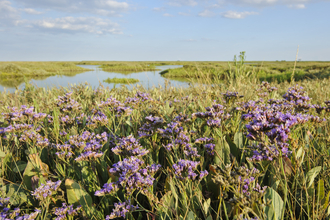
(237, 15)
(182, 2)
(73, 25)
(208, 4)
(8, 14)
(31, 11)
(101, 7)
(206, 13)
(168, 15)
(159, 9)
(297, 6)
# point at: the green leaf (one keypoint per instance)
(233, 148)
(239, 140)
(226, 153)
(191, 216)
(2, 154)
(78, 196)
(222, 157)
(310, 175)
(274, 210)
(326, 201)
(320, 190)
(20, 166)
(38, 169)
(207, 205)
(17, 194)
(218, 149)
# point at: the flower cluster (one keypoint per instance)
(214, 115)
(149, 127)
(23, 114)
(270, 125)
(264, 89)
(139, 98)
(33, 137)
(64, 211)
(241, 186)
(131, 176)
(298, 98)
(182, 141)
(116, 106)
(172, 128)
(129, 146)
(208, 145)
(45, 191)
(121, 209)
(97, 119)
(187, 170)
(230, 96)
(67, 104)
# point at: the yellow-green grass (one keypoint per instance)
(121, 80)
(20, 69)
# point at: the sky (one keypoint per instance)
(164, 30)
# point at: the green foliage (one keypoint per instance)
(121, 80)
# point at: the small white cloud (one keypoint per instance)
(206, 13)
(168, 15)
(113, 4)
(100, 7)
(297, 6)
(159, 9)
(182, 3)
(183, 14)
(72, 25)
(32, 11)
(237, 15)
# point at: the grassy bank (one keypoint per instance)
(204, 152)
(20, 69)
(121, 80)
(270, 71)
(12, 74)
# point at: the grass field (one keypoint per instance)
(121, 80)
(241, 149)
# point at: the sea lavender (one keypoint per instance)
(67, 104)
(121, 209)
(186, 170)
(129, 146)
(131, 176)
(213, 115)
(64, 211)
(149, 127)
(46, 190)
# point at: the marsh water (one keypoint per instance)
(95, 76)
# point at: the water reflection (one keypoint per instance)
(148, 79)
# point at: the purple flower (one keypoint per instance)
(129, 146)
(186, 170)
(121, 209)
(45, 190)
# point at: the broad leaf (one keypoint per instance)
(274, 210)
(310, 175)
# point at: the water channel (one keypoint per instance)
(96, 75)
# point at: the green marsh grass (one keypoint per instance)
(121, 80)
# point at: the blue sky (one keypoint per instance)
(192, 30)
